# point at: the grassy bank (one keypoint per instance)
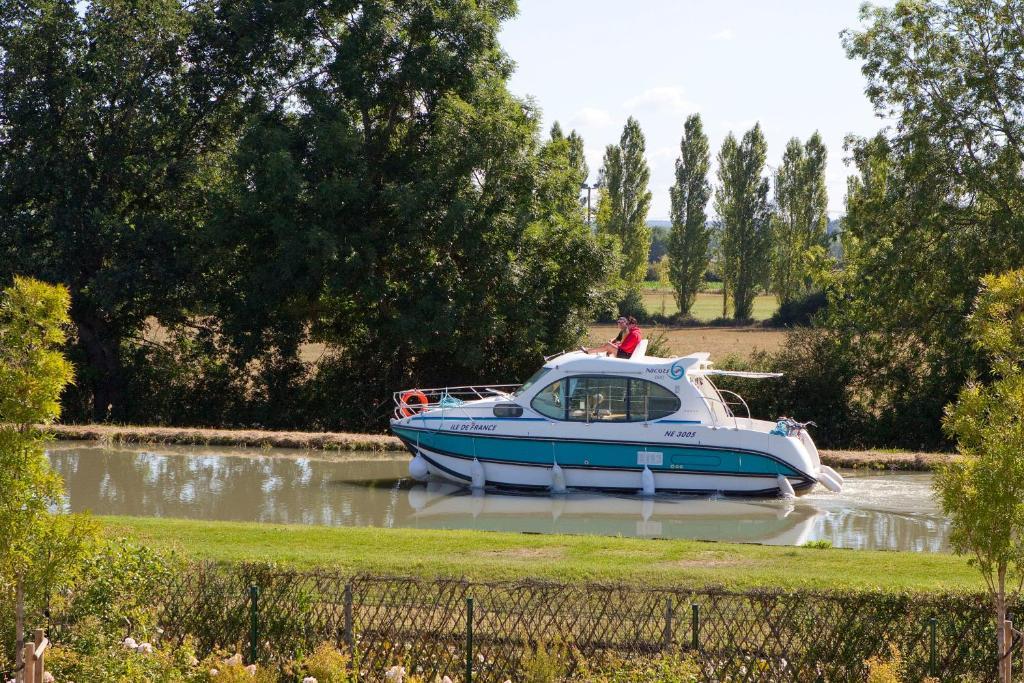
(245, 438)
(342, 441)
(481, 555)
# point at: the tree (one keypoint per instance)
(562, 169)
(624, 201)
(935, 203)
(690, 236)
(982, 492)
(741, 201)
(801, 216)
(37, 549)
(410, 216)
(114, 123)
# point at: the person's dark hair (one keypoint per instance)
(631, 320)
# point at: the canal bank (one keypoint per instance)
(909, 461)
(491, 555)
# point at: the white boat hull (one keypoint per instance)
(508, 475)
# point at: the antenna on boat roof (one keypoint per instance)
(554, 355)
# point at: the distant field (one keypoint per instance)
(719, 341)
(707, 307)
(705, 287)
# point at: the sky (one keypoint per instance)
(590, 65)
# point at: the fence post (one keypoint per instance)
(1008, 646)
(667, 635)
(932, 658)
(349, 636)
(40, 657)
(469, 640)
(254, 623)
(28, 660)
(696, 626)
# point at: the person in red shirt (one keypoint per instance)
(623, 349)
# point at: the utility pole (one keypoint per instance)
(588, 188)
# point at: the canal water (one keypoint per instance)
(875, 510)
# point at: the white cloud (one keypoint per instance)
(590, 116)
(662, 98)
(724, 34)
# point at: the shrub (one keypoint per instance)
(666, 668)
(548, 662)
(326, 664)
(93, 655)
(800, 311)
(632, 303)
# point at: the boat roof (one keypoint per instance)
(578, 361)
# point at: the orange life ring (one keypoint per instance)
(409, 409)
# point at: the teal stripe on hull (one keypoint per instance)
(595, 454)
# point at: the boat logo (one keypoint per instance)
(676, 371)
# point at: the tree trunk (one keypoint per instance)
(1003, 643)
(19, 624)
(102, 351)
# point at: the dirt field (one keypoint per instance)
(719, 341)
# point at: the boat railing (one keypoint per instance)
(728, 407)
(408, 402)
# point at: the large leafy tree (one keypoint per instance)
(690, 236)
(37, 549)
(113, 122)
(625, 199)
(396, 204)
(982, 492)
(936, 202)
(801, 216)
(741, 202)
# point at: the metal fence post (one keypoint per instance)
(667, 635)
(254, 623)
(696, 626)
(469, 640)
(932, 658)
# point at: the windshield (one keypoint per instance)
(530, 382)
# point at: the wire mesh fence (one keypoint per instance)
(424, 625)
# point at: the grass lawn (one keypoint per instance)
(707, 307)
(489, 555)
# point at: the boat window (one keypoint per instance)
(550, 401)
(650, 401)
(597, 399)
(534, 378)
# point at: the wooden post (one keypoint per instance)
(39, 656)
(28, 674)
(666, 636)
(349, 636)
(1008, 651)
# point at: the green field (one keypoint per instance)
(707, 307)
(481, 555)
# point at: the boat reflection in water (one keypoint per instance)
(875, 512)
(777, 522)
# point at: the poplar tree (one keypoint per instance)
(690, 236)
(741, 201)
(801, 218)
(624, 201)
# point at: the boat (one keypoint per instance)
(641, 424)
